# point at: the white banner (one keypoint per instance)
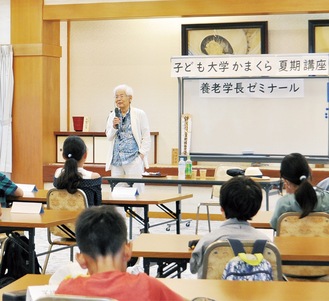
(186, 126)
(252, 88)
(230, 66)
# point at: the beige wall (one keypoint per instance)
(138, 52)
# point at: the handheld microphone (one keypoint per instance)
(117, 114)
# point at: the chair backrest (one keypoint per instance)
(61, 199)
(219, 253)
(314, 224)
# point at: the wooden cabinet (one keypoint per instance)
(89, 141)
(100, 149)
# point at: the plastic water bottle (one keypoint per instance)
(188, 168)
(181, 169)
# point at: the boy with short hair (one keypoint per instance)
(240, 199)
(101, 235)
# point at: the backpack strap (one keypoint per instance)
(16, 238)
(236, 246)
(259, 246)
(257, 251)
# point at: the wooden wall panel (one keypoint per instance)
(36, 113)
(35, 116)
(26, 21)
(51, 31)
(51, 107)
(27, 120)
(181, 8)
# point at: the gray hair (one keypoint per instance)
(128, 90)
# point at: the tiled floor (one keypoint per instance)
(62, 257)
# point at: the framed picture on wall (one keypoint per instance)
(318, 36)
(224, 38)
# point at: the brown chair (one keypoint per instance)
(61, 199)
(314, 224)
(219, 253)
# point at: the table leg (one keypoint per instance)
(31, 250)
(146, 265)
(267, 189)
(267, 192)
(146, 219)
(178, 216)
(178, 211)
(112, 184)
(127, 210)
(132, 214)
(130, 227)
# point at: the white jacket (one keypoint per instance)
(141, 132)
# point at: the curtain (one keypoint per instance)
(6, 102)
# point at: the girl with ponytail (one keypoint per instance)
(73, 176)
(301, 195)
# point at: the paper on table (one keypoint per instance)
(27, 187)
(72, 269)
(35, 292)
(26, 207)
(125, 191)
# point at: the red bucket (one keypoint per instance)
(78, 123)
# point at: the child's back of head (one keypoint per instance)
(240, 198)
(100, 231)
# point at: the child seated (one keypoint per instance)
(74, 176)
(101, 234)
(240, 199)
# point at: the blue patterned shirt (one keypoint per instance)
(125, 146)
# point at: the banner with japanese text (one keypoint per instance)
(231, 66)
(256, 88)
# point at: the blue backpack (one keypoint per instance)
(248, 266)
